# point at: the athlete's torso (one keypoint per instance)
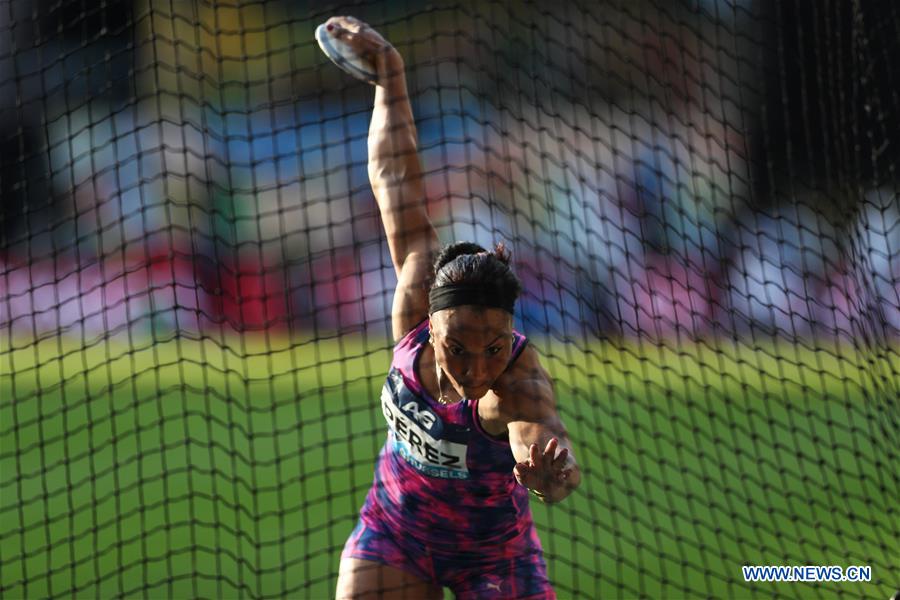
(440, 476)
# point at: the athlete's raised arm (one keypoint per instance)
(396, 175)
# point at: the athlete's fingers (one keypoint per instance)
(336, 25)
(550, 450)
(560, 459)
(337, 29)
(533, 452)
(547, 454)
(524, 474)
(346, 34)
(525, 467)
(354, 21)
(356, 33)
(345, 22)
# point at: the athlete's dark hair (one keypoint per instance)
(470, 264)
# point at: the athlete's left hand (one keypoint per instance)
(545, 473)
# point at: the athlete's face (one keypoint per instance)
(472, 346)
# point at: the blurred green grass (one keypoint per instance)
(188, 469)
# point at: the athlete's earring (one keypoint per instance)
(441, 397)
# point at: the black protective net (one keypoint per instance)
(701, 199)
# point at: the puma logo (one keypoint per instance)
(493, 586)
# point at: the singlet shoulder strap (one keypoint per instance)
(519, 343)
(406, 353)
(413, 337)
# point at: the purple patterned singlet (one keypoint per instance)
(445, 504)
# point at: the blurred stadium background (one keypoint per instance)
(702, 201)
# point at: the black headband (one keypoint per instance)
(449, 296)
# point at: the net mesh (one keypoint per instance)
(702, 202)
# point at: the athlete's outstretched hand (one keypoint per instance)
(368, 43)
(545, 473)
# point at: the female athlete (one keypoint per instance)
(472, 420)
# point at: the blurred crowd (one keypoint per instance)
(196, 169)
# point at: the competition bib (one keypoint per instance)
(431, 446)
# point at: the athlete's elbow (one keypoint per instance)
(391, 174)
(395, 151)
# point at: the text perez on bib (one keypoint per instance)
(427, 443)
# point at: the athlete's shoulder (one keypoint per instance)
(406, 354)
(523, 386)
(413, 337)
(526, 365)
